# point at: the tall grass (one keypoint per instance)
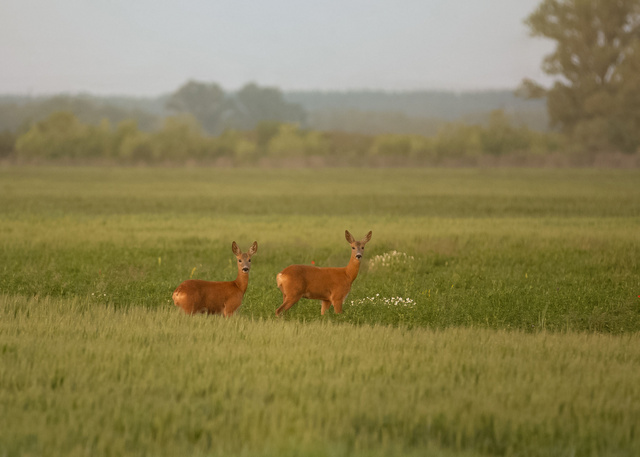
(85, 379)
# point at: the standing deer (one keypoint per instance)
(331, 285)
(216, 297)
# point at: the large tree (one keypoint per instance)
(244, 110)
(255, 104)
(207, 102)
(595, 98)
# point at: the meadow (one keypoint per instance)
(496, 313)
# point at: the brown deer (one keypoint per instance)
(216, 297)
(331, 285)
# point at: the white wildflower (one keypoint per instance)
(390, 259)
(388, 302)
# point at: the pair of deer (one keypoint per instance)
(331, 285)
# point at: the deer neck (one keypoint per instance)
(352, 268)
(242, 281)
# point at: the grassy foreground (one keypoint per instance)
(496, 313)
(80, 379)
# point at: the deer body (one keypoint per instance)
(330, 285)
(216, 297)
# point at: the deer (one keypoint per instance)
(330, 285)
(216, 297)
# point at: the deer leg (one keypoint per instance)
(231, 306)
(337, 306)
(287, 302)
(326, 304)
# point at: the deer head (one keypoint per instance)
(357, 247)
(244, 258)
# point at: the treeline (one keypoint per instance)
(444, 105)
(17, 114)
(368, 112)
(260, 125)
(180, 139)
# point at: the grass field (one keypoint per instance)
(496, 313)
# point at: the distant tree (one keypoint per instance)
(7, 143)
(62, 135)
(244, 110)
(264, 131)
(348, 145)
(456, 140)
(254, 104)
(596, 98)
(289, 142)
(20, 117)
(206, 102)
(500, 137)
(136, 146)
(179, 138)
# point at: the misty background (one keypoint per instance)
(359, 66)
(148, 48)
(334, 82)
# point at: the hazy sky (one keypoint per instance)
(151, 47)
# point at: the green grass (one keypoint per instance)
(519, 335)
(520, 249)
(80, 379)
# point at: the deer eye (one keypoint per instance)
(239, 260)
(249, 260)
(352, 247)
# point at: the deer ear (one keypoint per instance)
(254, 248)
(367, 238)
(236, 250)
(348, 236)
